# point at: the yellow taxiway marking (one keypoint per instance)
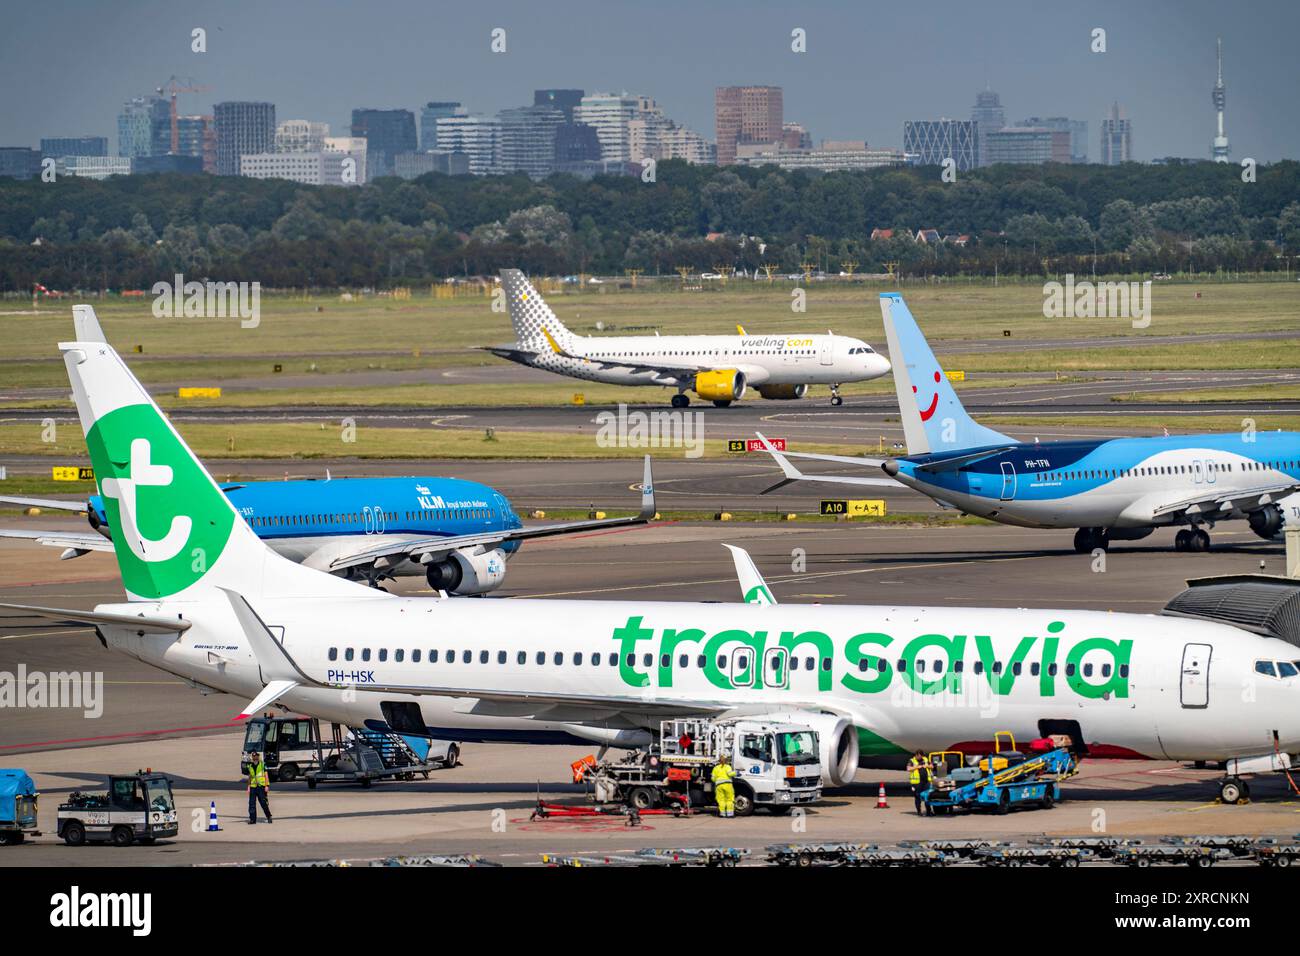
(75, 630)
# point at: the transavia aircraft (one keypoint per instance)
(456, 534)
(211, 603)
(1120, 489)
(716, 367)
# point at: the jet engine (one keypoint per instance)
(838, 739)
(783, 391)
(468, 572)
(721, 385)
(1271, 520)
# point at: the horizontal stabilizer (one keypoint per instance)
(142, 622)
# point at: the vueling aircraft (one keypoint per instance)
(456, 534)
(1119, 489)
(211, 603)
(718, 368)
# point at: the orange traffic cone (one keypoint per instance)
(881, 802)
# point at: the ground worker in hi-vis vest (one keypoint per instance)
(724, 790)
(919, 775)
(259, 784)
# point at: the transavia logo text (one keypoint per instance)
(75, 908)
(867, 663)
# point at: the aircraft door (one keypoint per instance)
(1008, 481)
(825, 354)
(1198, 471)
(1194, 690)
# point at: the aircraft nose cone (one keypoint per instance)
(882, 365)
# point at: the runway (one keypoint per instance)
(152, 719)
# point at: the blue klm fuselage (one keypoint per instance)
(347, 507)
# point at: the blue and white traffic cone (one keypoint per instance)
(212, 818)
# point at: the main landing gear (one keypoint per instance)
(681, 400)
(1192, 539)
(836, 398)
(1087, 540)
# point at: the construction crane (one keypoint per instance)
(174, 85)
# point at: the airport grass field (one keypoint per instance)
(378, 336)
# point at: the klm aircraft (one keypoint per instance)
(1118, 489)
(457, 534)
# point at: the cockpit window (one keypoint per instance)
(1266, 668)
(1286, 669)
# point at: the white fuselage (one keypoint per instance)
(765, 359)
(908, 677)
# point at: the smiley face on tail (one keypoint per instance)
(927, 413)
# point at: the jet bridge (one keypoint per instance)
(1260, 603)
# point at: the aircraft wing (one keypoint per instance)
(793, 474)
(79, 541)
(1248, 499)
(49, 504)
(432, 548)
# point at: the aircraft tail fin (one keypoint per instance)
(934, 419)
(536, 326)
(172, 528)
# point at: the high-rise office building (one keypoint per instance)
(931, 142)
(242, 128)
(56, 146)
(527, 142)
(678, 142)
(576, 143)
(197, 136)
(386, 132)
(988, 115)
(748, 115)
(478, 137)
(300, 136)
(564, 100)
(630, 127)
(430, 113)
(1025, 145)
(794, 136)
(144, 127)
(1077, 130)
(411, 165)
(1116, 138)
(19, 162)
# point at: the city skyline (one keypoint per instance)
(1156, 63)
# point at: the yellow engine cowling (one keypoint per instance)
(783, 391)
(721, 385)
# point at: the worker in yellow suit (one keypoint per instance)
(259, 784)
(724, 791)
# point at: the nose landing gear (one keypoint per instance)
(836, 398)
(1089, 539)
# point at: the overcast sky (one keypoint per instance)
(69, 64)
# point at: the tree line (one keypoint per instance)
(129, 232)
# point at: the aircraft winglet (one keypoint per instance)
(752, 586)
